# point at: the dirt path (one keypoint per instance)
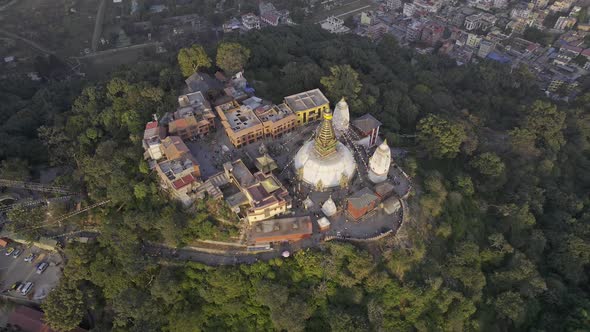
(27, 41)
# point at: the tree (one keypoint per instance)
(191, 59)
(440, 138)
(26, 222)
(510, 305)
(343, 81)
(489, 164)
(232, 57)
(547, 122)
(537, 36)
(15, 169)
(64, 306)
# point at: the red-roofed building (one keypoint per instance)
(432, 33)
(270, 18)
(264, 194)
(280, 230)
(361, 202)
(152, 139)
(180, 172)
(31, 320)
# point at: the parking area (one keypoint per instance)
(15, 270)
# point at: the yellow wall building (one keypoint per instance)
(308, 105)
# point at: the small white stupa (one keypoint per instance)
(341, 117)
(379, 163)
(329, 207)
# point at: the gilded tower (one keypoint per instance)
(325, 140)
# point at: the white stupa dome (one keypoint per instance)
(341, 116)
(329, 169)
(324, 162)
(379, 163)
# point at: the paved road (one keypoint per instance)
(98, 24)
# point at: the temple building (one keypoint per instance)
(341, 117)
(325, 162)
(379, 163)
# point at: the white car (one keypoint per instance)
(41, 267)
(27, 288)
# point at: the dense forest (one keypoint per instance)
(500, 233)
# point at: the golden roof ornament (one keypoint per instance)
(325, 140)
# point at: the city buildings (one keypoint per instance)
(485, 48)
(179, 173)
(152, 139)
(307, 106)
(194, 117)
(250, 21)
(334, 25)
(432, 32)
(565, 22)
(253, 120)
(261, 196)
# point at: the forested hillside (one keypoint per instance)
(500, 233)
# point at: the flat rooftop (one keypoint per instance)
(272, 112)
(306, 100)
(241, 118)
(282, 227)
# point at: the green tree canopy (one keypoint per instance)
(193, 58)
(439, 137)
(232, 57)
(488, 163)
(343, 81)
(64, 306)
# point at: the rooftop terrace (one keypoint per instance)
(306, 100)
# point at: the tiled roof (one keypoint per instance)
(366, 123)
(184, 181)
(362, 198)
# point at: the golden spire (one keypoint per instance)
(325, 139)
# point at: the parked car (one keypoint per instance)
(30, 258)
(9, 251)
(41, 267)
(20, 287)
(27, 288)
(16, 253)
